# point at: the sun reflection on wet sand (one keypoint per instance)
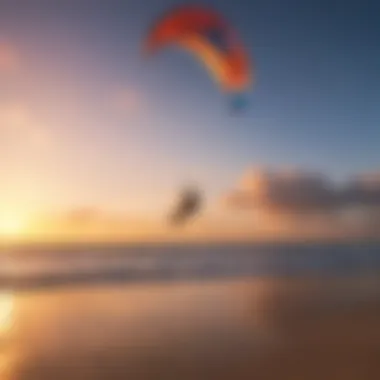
(7, 354)
(6, 309)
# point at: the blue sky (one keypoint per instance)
(315, 104)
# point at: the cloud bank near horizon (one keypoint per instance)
(302, 200)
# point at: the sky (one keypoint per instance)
(96, 141)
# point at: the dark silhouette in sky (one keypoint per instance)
(189, 205)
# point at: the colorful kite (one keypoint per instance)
(211, 39)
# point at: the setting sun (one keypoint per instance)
(12, 226)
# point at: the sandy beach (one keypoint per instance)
(243, 329)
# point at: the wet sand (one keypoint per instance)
(244, 329)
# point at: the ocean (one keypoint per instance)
(44, 265)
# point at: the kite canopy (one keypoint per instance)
(211, 39)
